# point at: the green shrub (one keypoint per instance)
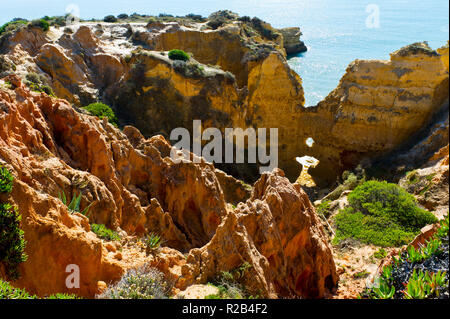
(405, 282)
(61, 21)
(9, 292)
(178, 55)
(382, 214)
(263, 29)
(63, 296)
(12, 25)
(412, 177)
(229, 286)
(36, 83)
(140, 283)
(6, 180)
(216, 23)
(189, 69)
(74, 205)
(380, 253)
(123, 16)
(12, 243)
(110, 18)
(47, 90)
(324, 209)
(195, 17)
(102, 110)
(104, 233)
(6, 64)
(361, 274)
(152, 242)
(41, 23)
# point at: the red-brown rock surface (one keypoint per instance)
(135, 188)
(51, 148)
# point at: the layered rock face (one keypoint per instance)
(291, 40)
(136, 188)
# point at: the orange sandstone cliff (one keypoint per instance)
(136, 188)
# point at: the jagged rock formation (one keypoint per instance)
(238, 77)
(136, 188)
(378, 106)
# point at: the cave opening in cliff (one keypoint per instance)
(309, 142)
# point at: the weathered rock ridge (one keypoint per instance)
(238, 77)
(136, 188)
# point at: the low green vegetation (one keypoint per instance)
(412, 177)
(37, 83)
(6, 65)
(350, 180)
(178, 55)
(63, 296)
(12, 242)
(6, 180)
(382, 214)
(140, 283)
(420, 273)
(229, 286)
(9, 292)
(380, 253)
(41, 23)
(74, 205)
(324, 209)
(12, 25)
(190, 69)
(102, 110)
(110, 18)
(361, 274)
(416, 48)
(104, 233)
(152, 242)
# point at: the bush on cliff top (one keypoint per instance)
(36, 82)
(12, 25)
(382, 214)
(178, 55)
(102, 110)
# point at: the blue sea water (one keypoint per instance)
(334, 31)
